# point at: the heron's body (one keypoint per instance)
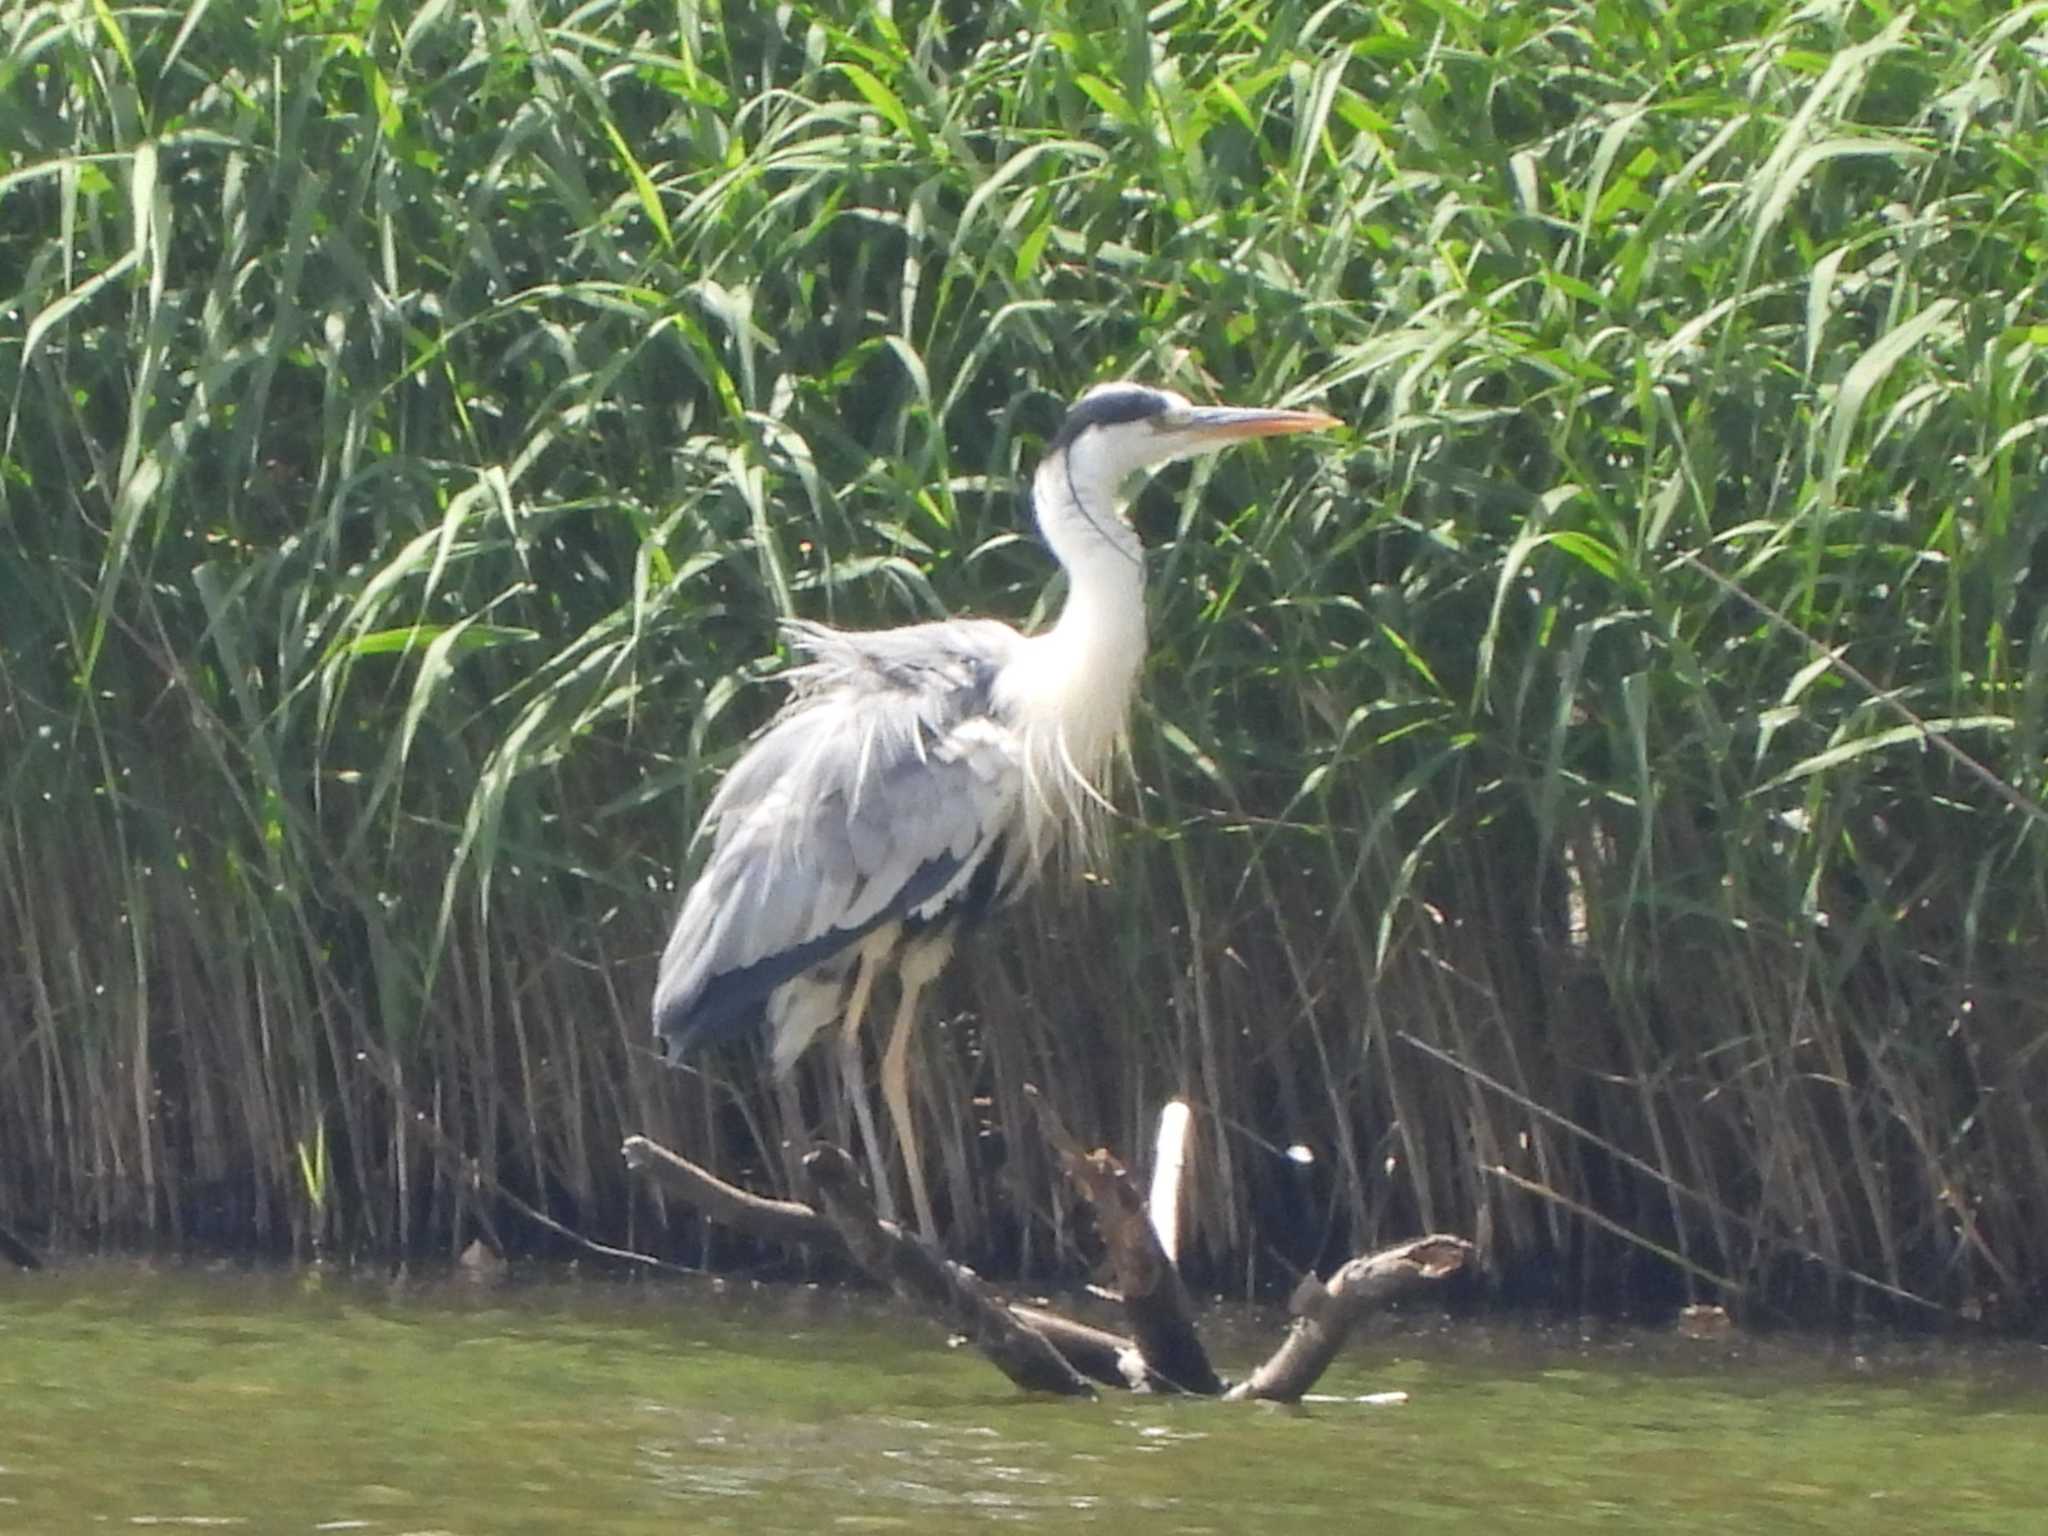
(919, 776)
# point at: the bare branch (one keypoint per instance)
(1325, 1311)
(1040, 1350)
(1154, 1300)
(1169, 1165)
(918, 1274)
(789, 1222)
(1096, 1353)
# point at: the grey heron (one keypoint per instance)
(919, 776)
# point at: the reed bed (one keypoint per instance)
(1594, 806)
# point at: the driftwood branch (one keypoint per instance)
(789, 1223)
(1324, 1311)
(1038, 1349)
(1155, 1302)
(1096, 1353)
(1169, 1164)
(917, 1273)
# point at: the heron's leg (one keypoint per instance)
(920, 964)
(797, 1011)
(790, 1100)
(874, 953)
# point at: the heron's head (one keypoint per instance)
(1117, 430)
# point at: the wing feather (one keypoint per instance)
(873, 798)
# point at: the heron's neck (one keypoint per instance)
(1074, 701)
(1102, 625)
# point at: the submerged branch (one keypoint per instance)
(1095, 1353)
(917, 1273)
(1154, 1300)
(1037, 1349)
(1324, 1312)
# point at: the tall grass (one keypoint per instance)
(417, 416)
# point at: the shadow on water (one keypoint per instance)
(327, 1401)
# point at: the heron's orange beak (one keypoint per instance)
(1215, 425)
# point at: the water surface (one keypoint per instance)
(298, 1404)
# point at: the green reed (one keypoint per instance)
(1592, 805)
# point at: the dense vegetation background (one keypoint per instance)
(1589, 806)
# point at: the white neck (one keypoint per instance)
(1075, 699)
(1104, 613)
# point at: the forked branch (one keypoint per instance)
(1040, 1350)
(1155, 1302)
(1325, 1310)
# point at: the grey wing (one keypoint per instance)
(873, 800)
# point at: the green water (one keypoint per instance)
(286, 1404)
